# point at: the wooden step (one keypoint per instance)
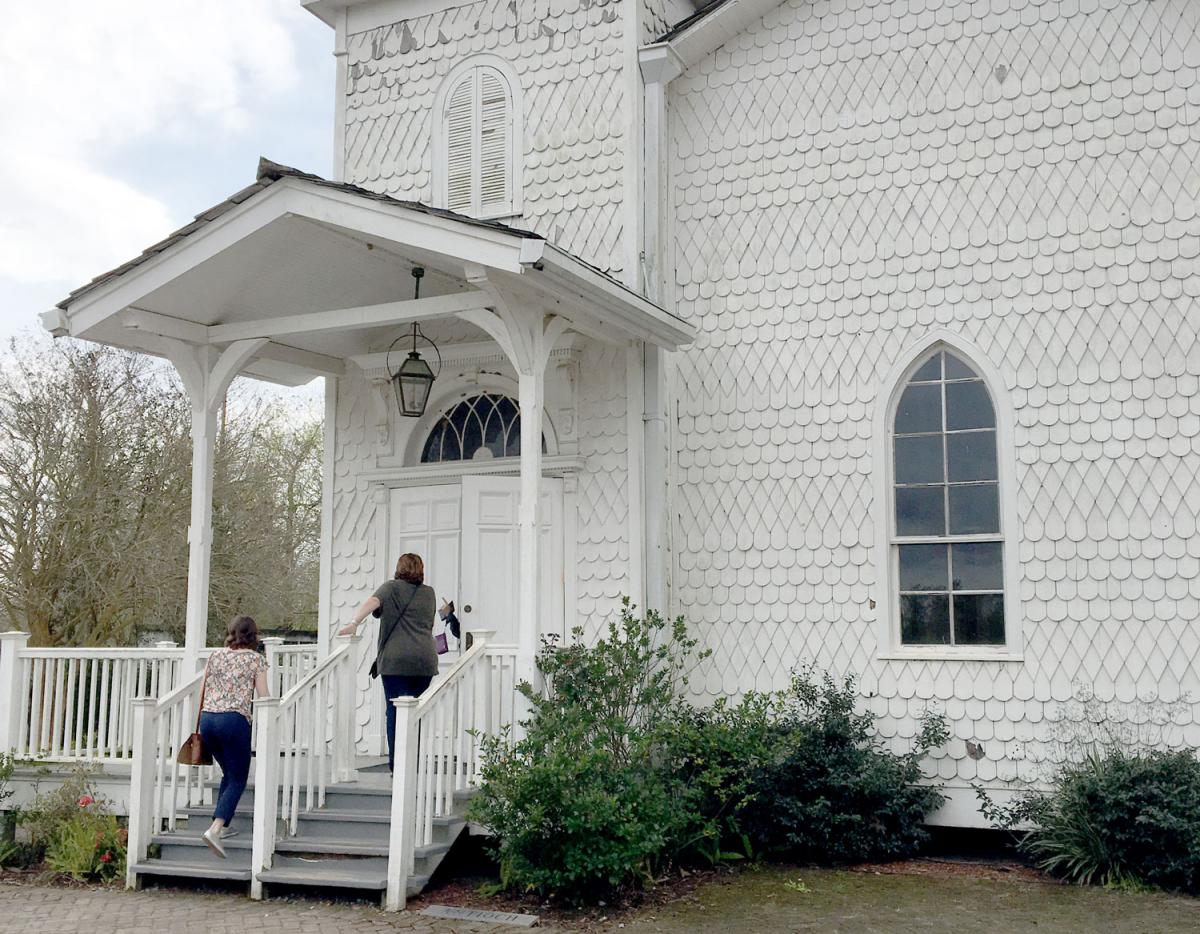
(183, 870)
(368, 874)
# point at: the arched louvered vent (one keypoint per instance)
(478, 140)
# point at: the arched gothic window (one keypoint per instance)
(946, 544)
(477, 428)
(476, 161)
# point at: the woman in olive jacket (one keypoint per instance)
(407, 655)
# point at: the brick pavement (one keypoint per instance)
(31, 909)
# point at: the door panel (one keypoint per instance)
(491, 555)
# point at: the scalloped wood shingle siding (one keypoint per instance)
(848, 176)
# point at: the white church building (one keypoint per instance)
(857, 332)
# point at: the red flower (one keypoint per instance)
(86, 800)
(106, 858)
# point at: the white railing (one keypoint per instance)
(303, 742)
(288, 664)
(159, 786)
(76, 704)
(437, 747)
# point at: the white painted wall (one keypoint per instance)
(848, 178)
(569, 61)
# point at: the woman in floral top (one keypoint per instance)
(235, 674)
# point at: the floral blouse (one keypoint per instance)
(230, 685)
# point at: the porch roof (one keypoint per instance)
(321, 271)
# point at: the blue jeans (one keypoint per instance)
(399, 686)
(227, 736)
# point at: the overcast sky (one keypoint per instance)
(120, 120)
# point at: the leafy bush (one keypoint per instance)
(831, 793)
(616, 777)
(89, 845)
(1115, 817)
(50, 810)
(582, 803)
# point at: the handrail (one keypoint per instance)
(436, 757)
(156, 790)
(430, 697)
(302, 745)
(304, 683)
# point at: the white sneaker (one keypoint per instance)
(214, 843)
(226, 833)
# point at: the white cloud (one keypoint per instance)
(82, 82)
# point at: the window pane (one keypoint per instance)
(979, 619)
(919, 460)
(968, 406)
(956, 369)
(923, 567)
(925, 620)
(976, 566)
(920, 511)
(970, 456)
(930, 369)
(920, 410)
(974, 509)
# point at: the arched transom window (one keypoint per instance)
(477, 155)
(477, 428)
(946, 544)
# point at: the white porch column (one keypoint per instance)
(531, 397)
(527, 336)
(206, 373)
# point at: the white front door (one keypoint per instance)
(491, 556)
(467, 535)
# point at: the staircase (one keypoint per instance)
(313, 816)
(342, 845)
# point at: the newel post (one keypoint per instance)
(12, 647)
(271, 645)
(141, 786)
(404, 781)
(266, 792)
(343, 714)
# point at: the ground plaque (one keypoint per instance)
(478, 914)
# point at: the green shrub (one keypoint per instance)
(615, 777)
(89, 845)
(1115, 818)
(50, 810)
(830, 793)
(583, 803)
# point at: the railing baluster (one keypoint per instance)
(44, 681)
(68, 732)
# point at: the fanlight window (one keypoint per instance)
(478, 428)
(947, 550)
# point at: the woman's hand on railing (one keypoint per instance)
(350, 629)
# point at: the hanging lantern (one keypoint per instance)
(413, 381)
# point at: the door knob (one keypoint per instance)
(467, 608)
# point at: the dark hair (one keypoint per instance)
(243, 633)
(410, 568)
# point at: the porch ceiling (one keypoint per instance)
(323, 270)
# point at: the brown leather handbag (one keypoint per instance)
(192, 751)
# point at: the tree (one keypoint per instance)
(95, 463)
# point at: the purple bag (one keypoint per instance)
(442, 645)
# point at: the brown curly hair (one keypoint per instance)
(242, 633)
(411, 568)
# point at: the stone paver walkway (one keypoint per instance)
(31, 909)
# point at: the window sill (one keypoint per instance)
(950, 655)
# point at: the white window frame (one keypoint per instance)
(887, 598)
(516, 110)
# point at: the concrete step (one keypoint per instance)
(181, 870)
